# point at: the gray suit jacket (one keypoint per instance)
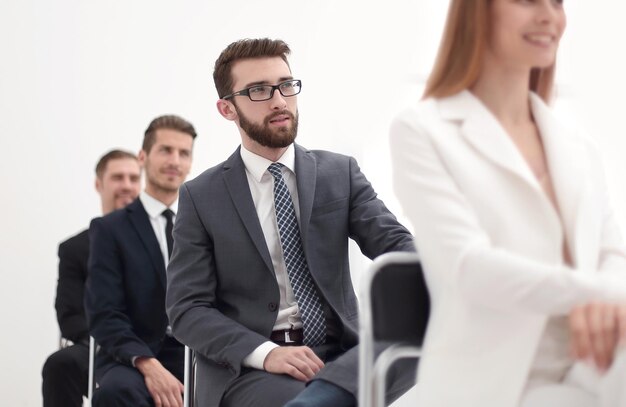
(222, 294)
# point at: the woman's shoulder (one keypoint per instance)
(419, 110)
(430, 116)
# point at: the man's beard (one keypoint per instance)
(273, 138)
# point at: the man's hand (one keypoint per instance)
(597, 329)
(164, 387)
(299, 362)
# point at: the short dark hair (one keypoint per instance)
(244, 49)
(169, 121)
(111, 155)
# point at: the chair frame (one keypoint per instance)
(189, 396)
(91, 382)
(372, 376)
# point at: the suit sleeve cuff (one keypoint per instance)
(256, 359)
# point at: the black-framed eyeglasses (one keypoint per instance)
(259, 93)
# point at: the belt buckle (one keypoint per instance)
(287, 337)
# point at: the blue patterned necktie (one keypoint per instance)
(313, 322)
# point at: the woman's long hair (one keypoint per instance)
(460, 57)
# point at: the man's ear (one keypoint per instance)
(141, 158)
(227, 109)
(98, 185)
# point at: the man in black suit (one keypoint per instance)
(139, 363)
(65, 371)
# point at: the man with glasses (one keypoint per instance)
(259, 283)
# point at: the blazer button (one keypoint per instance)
(272, 306)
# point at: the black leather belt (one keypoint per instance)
(287, 337)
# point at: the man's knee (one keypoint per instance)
(121, 386)
(120, 396)
(274, 399)
(321, 393)
(106, 396)
(67, 361)
(49, 367)
(57, 365)
(261, 389)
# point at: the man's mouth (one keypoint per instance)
(280, 119)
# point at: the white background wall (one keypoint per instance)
(80, 77)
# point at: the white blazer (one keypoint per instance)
(491, 243)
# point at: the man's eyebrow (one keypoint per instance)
(281, 79)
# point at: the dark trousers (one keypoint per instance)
(256, 388)
(124, 386)
(65, 376)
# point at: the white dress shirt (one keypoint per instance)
(155, 210)
(261, 184)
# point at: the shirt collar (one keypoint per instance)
(154, 207)
(257, 165)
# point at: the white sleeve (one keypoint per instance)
(256, 359)
(612, 256)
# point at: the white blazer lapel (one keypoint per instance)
(566, 160)
(483, 131)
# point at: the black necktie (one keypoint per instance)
(169, 216)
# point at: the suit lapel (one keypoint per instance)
(141, 222)
(566, 159)
(482, 130)
(237, 185)
(306, 178)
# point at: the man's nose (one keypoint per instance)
(278, 101)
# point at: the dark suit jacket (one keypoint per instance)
(222, 292)
(69, 303)
(125, 293)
